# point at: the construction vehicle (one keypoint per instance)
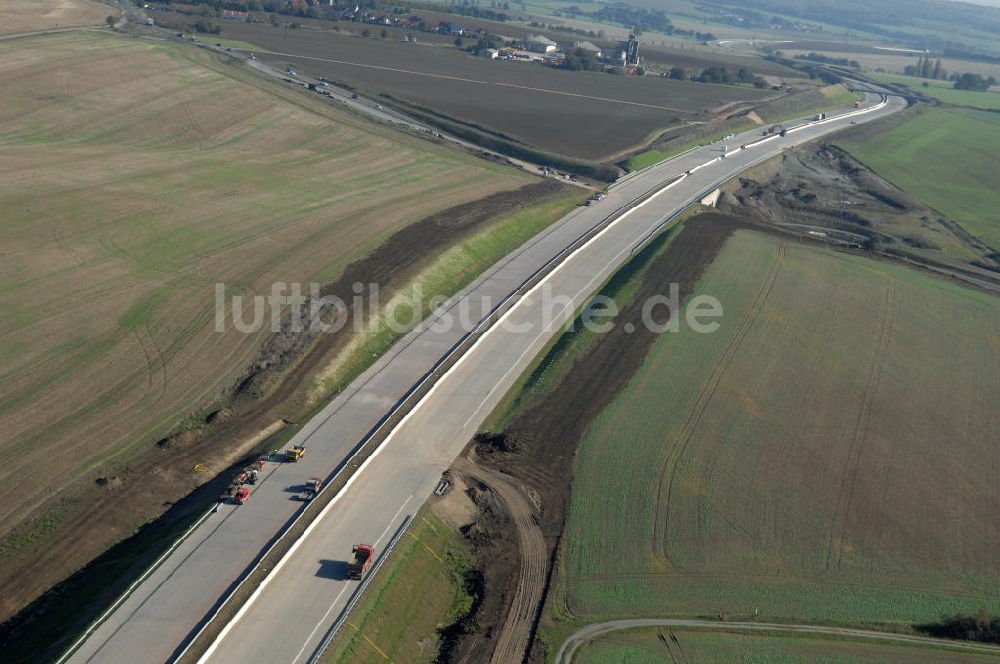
(857, 104)
(295, 453)
(312, 488)
(364, 554)
(783, 132)
(242, 495)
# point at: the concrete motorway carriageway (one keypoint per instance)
(304, 596)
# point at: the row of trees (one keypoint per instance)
(924, 69)
(827, 60)
(720, 75)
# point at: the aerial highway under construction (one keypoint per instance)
(410, 414)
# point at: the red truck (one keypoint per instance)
(242, 495)
(364, 554)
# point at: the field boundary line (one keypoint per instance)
(589, 632)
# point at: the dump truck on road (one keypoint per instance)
(312, 488)
(242, 495)
(364, 554)
(295, 453)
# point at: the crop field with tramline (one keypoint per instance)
(828, 454)
(136, 176)
(706, 647)
(28, 15)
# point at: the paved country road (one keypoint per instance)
(590, 632)
(288, 616)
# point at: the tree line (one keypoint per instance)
(980, 627)
(966, 81)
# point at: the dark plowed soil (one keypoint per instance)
(160, 486)
(537, 447)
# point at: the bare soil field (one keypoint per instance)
(137, 175)
(29, 15)
(578, 114)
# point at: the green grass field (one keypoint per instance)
(418, 592)
(706, 647)
(946, 158)
(821, 457)
(943, 91)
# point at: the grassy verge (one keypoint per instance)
(832, 96)
(650, 157)
(946, 158)
(552, 365)
(943, 91)
(444, 277)
(420, 590)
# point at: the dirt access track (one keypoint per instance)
(536, 450)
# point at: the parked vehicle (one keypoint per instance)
(312, 488)
(242, 495)
(295, 453)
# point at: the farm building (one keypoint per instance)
(489, 53)
(587, 46)
(539, 44)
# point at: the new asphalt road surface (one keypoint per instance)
(304, 594)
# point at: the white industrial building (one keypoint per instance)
(539, 44)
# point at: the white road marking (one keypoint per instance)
(420, 403)
(336, 599)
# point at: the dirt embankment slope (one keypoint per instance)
(536, 449)
(822, 191)
(161, 482)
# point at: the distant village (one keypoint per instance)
(572, 53)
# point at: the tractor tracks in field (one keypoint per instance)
(668, 475)
(593, 631)
(859, 436)
(519, 624)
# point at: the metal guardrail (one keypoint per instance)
(400, 404)
(358, 592)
